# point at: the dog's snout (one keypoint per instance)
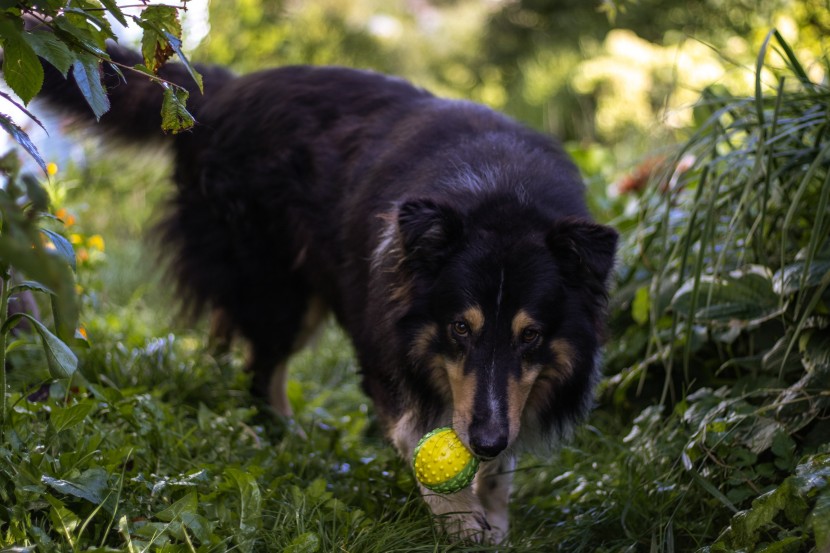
(488, 438)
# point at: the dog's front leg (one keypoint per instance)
(460, 514)
(493, 485)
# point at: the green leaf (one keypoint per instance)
(158, 23)
(176, 45)
(81, 39)
(32, 286)
(52, 49)
(641, 306)
(21, 66)
(29, 257)
(64, 520)
(62, 362)
(308, 542)
(87, 76)
(187, 503)
(68, 417)
(819, 521)
(92, 485)
(20, 136)
(36, 192)
(114, 10)
(788, 279)
(745, 295)
(174, 115)
(62, 246)
(250, 506)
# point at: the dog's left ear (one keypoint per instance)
(428, 231)
(588, 244)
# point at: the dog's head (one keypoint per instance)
(506, 315)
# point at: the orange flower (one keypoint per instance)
(67, 218)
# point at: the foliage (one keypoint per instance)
(44, 256)
(73, 38)
(723, 304)
(68, 38)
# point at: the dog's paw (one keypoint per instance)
(462, 517)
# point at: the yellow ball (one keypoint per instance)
(442, 462)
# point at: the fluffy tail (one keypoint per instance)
(135, 105)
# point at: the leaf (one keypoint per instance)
(819, 521)
(745, 295)
(61, 360)
(64, 520)
(36, 192)
(80, 39)
(30, 285)
(68, 417)
(641, 306)
(20, 136)
(158, 23)
(250, 506)
(52, 49)
(174, 115)
(788, 279)
(21, 66)
(308, 542)
(114, 10)
(62, 246)
(176, 44)
(92, 485)
(187, 503)
(88, 78)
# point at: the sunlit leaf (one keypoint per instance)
(21, 67)
(174, 115)
(158, 23)
(52, 49)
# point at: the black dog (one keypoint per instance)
(451, 243)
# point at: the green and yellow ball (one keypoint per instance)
(442, 462)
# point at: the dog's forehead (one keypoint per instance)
(507, 281)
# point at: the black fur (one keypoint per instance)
(400, 211)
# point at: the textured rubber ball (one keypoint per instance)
(442, 462)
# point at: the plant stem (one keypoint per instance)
(5, 286)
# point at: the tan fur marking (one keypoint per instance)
(423, 339)
(518, 390)
(564, 352)
(521, 321)
(463, 387)
(550, 376)
(475, 318)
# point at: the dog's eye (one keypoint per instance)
(529, 335)
(460, 328)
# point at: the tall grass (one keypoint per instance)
(723, 307)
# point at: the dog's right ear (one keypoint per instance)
(428, 231)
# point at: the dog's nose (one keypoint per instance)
(487, 439)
